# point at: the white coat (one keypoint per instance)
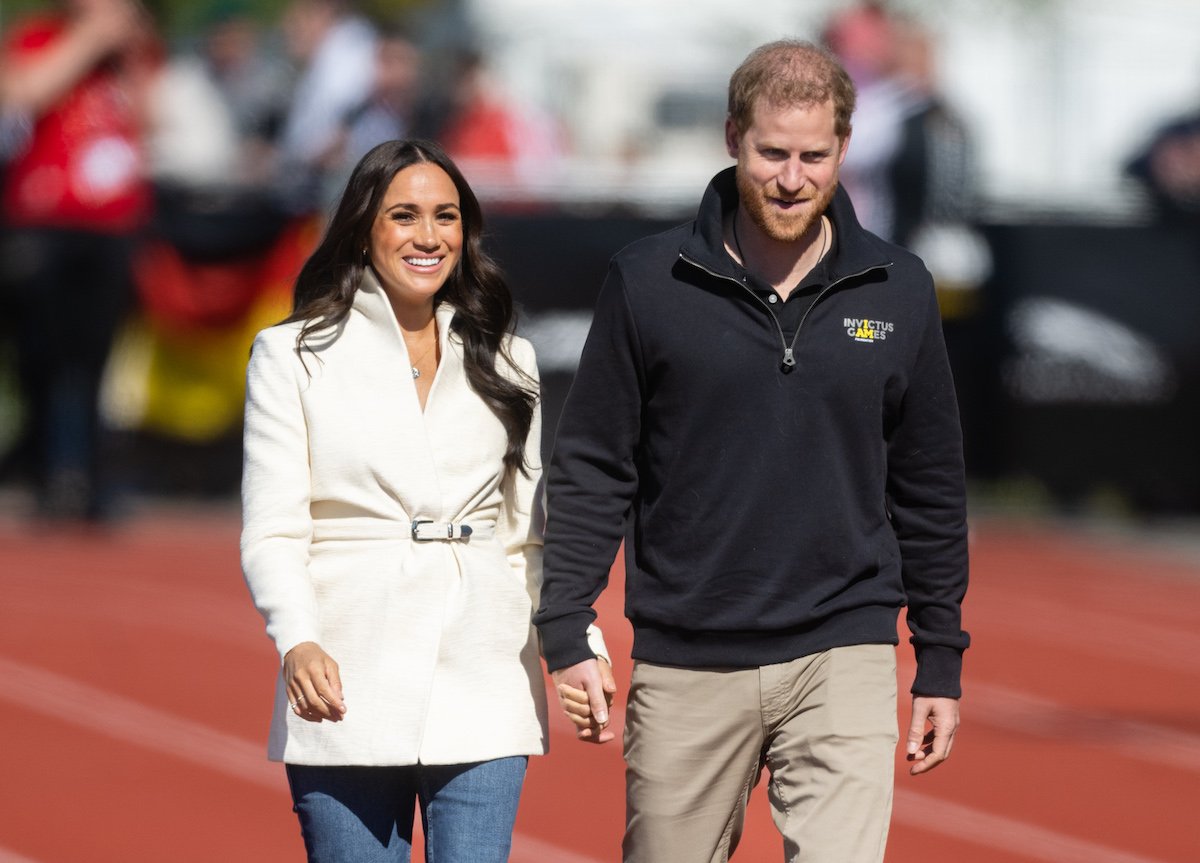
(438, 660)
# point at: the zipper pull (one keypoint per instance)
(789, 359)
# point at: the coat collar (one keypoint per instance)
(856, 249)
(370, 300)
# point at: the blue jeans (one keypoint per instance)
(365, 814)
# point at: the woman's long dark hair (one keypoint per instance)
(476, 288)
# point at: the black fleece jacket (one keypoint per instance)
(775, 499)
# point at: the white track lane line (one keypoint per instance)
(1012, 710)
(7, 856)
(127, 720)
(1028, 841)
(131, 722)
(996, 706)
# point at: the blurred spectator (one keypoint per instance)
(208, 142)
(1168, 166)
(499, 143)
(863, 37)
(932, 173)
(74, 194)
(912, 165)
(911, 174)
(254, 82)
(387, 114)
(334, 49)
(208, 266)
(191, 137)
(14, 130)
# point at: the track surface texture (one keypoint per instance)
(137, 684)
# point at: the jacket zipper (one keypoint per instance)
(789, 351)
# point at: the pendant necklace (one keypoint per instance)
(737, 245)
(416, 372)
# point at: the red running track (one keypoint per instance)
(137, 687)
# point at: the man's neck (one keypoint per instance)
(782, 265)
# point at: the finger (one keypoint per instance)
(926, 761)
(924, 747)
(324, 709)
(328, 704)
(598, 700)
(593, 734)
(320, 684)
(314, 705)
(334, 676)
(930, 755)
(607, 682)
(577, 710)
(943, 742)
(570, 693)
(916, 732)
(301, 708)
(581, 723)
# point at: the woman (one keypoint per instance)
(391, 535)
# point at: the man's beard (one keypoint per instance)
(781, 227)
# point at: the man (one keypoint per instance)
(764, 413)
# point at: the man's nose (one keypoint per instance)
(791, 176)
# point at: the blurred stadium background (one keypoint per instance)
(1071, 306)
(1071, 299)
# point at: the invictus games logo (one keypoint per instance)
(867, 331)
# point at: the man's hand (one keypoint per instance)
(929, 749)
(585, 692)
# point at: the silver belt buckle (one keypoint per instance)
(464, 530)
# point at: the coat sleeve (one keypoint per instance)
(522, 522)
(523, 519)
(593, 476)
(927, 504)
(276, 492)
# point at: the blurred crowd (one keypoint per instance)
(157, 197)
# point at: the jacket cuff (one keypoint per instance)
(565, 640)
(294, 636)
(939, 672)
(595, 640)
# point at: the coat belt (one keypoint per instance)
(426, 530)
(419, 530)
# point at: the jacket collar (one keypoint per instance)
(371, 301)
(855, 251)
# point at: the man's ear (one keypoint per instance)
(844, 147)
(733, 138)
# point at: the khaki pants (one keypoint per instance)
(696, 741)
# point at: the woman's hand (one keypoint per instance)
(314, 688)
